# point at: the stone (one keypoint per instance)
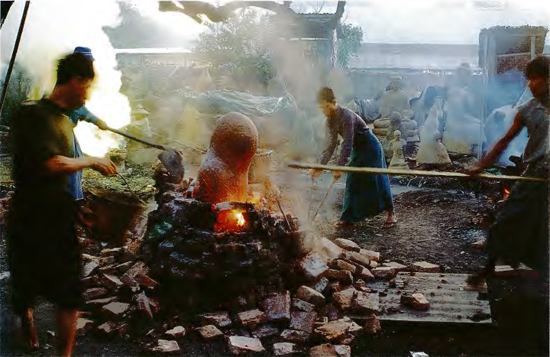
(372, 324)
(309, 295)
(425, 267)
(326, 350)
(143, 305)
(101, 302)
(241, 345)
(167, 346)
(93, 293)
(130, 282)
(313, 266)
(384, 273)
(126, 256)
(115, 309)
(285, 349)
(106, 261)
(331, 312)
(302, 305)
(337, 330)
(218, 319)
(111, 282)
(365, 274)
(343, 350)
(91, 281)
(398, 267)
(136, 269)
(344, 298)
(365, 302)
(252, 318)
(321, 320)
(277, 307)
(295, 336)
(370, 254)
(107, 269)
(321, 284)
(342, 276)
(89, 258)
(155, 307)
(415, 301)
(347, 245)
(145, 281)
(265, 331)
(176, 332)
(303, 321)
(355, 258)
(332, 288)
(83, 324)
(107, 328)
(209, 332)
(348, 339)
(89, 268)
(343, 265)
(373, 264)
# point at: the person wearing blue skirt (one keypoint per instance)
(366, 195)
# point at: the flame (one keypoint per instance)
(506, 191)
(239, 217)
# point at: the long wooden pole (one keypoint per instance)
(375, 170)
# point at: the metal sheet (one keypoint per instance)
(451, 299)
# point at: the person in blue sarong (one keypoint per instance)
(366, 195)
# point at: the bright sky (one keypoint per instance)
(407, 21)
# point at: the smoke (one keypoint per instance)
(52, 30)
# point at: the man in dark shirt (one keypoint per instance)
(43, 250)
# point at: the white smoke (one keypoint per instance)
(53, 29)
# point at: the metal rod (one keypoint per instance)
(375, 170)
(139, 140)
(14, 55)
(323, 201)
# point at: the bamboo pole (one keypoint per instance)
(375, 170)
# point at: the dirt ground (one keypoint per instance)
(434, 224)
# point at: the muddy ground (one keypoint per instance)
(435, 224)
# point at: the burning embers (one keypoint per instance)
(229, 218)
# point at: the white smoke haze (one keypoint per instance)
(53, 29)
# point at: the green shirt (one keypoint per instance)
(40, 130)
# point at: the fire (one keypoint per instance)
(239, 217)
(506, 191)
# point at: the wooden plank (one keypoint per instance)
(451, 299)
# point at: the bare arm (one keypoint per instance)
(501, 145)
(66, 165)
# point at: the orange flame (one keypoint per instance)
(506, 191)
(239, 217)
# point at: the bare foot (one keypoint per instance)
(480, 244)
(29, 334)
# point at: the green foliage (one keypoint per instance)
(349, 42)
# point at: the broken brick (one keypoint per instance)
(425, 267)
(176, 332)
(101, 302)
(371, 255)
(209, 332)
(83, 324)
(347, 245)
(167, 346)
(365, 302)
(218, 319)
(344, 298)
(342, 276)
(252, 318)
(113, 252)
(93, 293)
(145, 281)
(343, 265)
(332, 288)
(313, 266)
(337, 330)
(303, 321)
(302, 305)
(115, 309)
(372, 324)
(91, 281)
(343, 350)
(89, 268)
(143, 305)
(240, 345)
(331, 312)
(138, 268)
(106, 261)
(277, 307)
(265, 331)
(321, 284)
(295, 336)
(325, 350)
(285, 349)
(309, 295)
(355, 258)
(111, 281)
(365, 274)
(130, 282)
(415, 301)
(384, 272)
(124, 267)
(107, 328)
(398, 267)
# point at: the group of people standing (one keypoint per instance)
(43, 249)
